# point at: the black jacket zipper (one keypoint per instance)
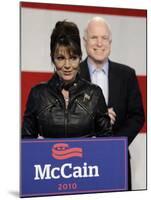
(45, 109)
(84, 108)
(66, 122)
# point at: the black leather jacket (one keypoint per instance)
(47, 116)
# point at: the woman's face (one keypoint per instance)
(67, 64)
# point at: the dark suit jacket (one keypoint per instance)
(124, 97)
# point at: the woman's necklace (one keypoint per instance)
(67, 100)
(66, 97)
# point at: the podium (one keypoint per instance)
(73, 166)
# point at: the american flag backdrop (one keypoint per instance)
(128, 47)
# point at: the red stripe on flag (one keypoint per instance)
(86, 9)
(30, 79)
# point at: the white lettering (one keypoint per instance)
(85, 169)
(53, 172)
(66, 171)
(77, 173)
(42, 174)
(69, 165)
(95, 169)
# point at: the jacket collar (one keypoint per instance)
(56, 84)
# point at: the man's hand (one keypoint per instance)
(112, 115)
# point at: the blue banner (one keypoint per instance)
(69, 166)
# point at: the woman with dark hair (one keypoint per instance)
(66, 106)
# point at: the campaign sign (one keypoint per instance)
(69, 166)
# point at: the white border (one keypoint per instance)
(10, 102)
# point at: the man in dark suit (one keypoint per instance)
(118, 82)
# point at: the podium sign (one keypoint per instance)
(69, 166)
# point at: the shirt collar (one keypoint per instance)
(92, 68)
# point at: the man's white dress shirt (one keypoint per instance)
(99, 76)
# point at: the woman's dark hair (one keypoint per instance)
(65, 34)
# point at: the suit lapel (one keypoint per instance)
(84, 70)
(113, 85)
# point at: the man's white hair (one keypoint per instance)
(97, 19)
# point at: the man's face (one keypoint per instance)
(98, 42)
